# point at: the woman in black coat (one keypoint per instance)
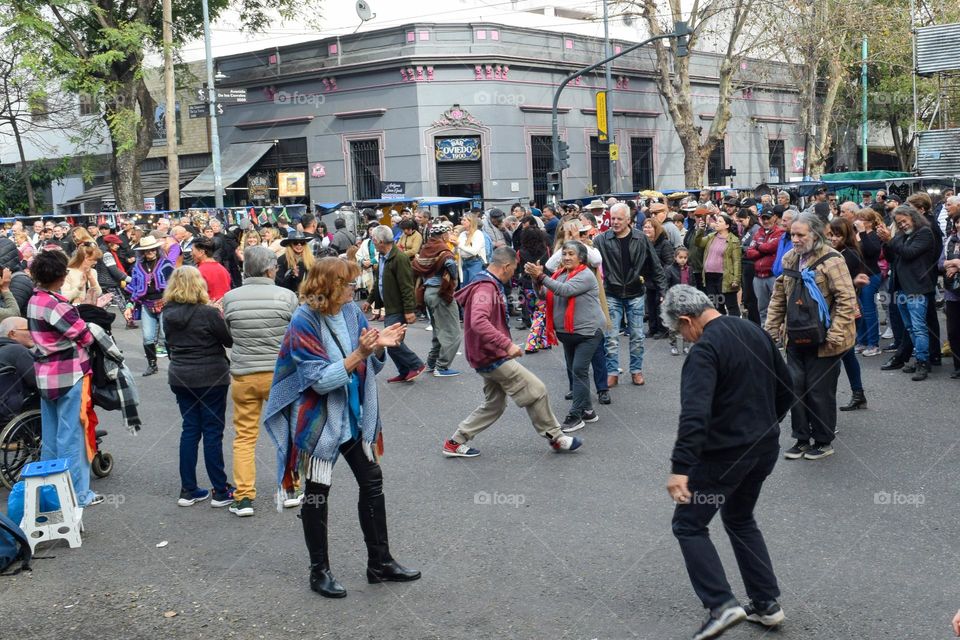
(665, 251)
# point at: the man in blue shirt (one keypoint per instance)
(550, 221)
(786, 243)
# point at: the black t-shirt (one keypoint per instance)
(625, 250)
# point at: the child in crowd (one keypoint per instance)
(678, 273)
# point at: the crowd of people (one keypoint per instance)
(295, 305)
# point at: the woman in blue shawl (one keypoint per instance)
(323, 404)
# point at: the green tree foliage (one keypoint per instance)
(14, 197)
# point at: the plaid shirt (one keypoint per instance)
(62, 339)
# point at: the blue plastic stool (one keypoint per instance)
(42, 526)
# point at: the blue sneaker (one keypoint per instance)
(566, 443)
(445, 373)
(190, 498)
(224, 499)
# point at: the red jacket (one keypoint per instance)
(486, 335)
(763, 251)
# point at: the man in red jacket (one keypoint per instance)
(490, 350)
(763, 252)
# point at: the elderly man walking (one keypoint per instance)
(257, 315)
(628, 259)
(394, 292)
(727, 444)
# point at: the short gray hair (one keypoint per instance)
(257, 261)
(953, 200)
(382, 233)
(620, 206)
(502, 256)
(683, 300)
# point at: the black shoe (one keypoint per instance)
(151, 369)
(891, 347)
(857, 401)
(909, 367)
(923, 369)
(568, 396)
(892, 364)
(391, 571)
(818, 450)
(955, 375)
(769, 614)
(720, 620)
(323, 582)
(796, 451)
(603, 396)
(590, 416)
(572, 423)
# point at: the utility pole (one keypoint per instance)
(864, 138)
(170, 112)
(212, 98)
(611, 139)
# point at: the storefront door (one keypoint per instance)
(459, 170)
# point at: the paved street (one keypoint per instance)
(520, 542)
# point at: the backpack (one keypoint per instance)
(808, 316)
(13, 547)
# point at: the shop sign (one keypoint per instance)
(393, 190)
(318, 171)
(458, 149)
(258, 186)
(292, 184)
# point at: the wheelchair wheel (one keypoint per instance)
(19, 446)
(102, 464)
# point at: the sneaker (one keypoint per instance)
(891, 347)
(859, 348)
(721, 620)
(888, 334)
(566, 443)
(453, 449)
(292, 500)
(590, 416)
(190, 498)
(818, 450)
(870, 352)
(572, 423)
(413, 373)
(242, 507)
(603, 397)
(96, 499)
(429, 327)
(430, 368)
(686, 350)
(224, 499)
(161, 352)
(796, 451)
(674, 351)
(568, 395)
(769, 614)
(445, 373)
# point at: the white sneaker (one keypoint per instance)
(428, 328)
(291, 501)
(888, 334)
(566, 443)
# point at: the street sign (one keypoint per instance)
(614, 152)
(393, 190)
(602, 116)
(199, 110)
(232, 96)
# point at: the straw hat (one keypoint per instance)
(595, 204)
(148, 243)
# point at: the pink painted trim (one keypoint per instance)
(480, 34)
(332, 49)
(424, 35)
(568, 43)
(494, 34)
(277, 122)
(411, 36)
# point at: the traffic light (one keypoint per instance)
(564, 155)
(683, 44)
(553, 182)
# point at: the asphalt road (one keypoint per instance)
(520, 542)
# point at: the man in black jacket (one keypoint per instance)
(628, 258)
(727, 444)
(17, 377)
(9, 255)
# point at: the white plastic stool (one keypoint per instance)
(42, 526)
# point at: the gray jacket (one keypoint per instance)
(257, 314)
(588, 314)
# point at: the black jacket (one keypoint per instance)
(108, 275)
(624, 281)
(717, 423)
(285, 277)
(17, 378)
(665, 253)
(21, 286)
(196, 336)
(914, 268)
(9, 255)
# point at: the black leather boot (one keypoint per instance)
(857, 401)
(314, 517)
(150, 350)
(892, 364)
(381, 567)
(923, 368)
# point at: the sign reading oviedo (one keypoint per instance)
(458, 149)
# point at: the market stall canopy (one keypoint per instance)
(153, 184)
(237, 161)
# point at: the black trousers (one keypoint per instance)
(726, 303)
(814, 412)
(732, 488)
(654, 323)
(933, 328)
(750, 303)
(953, 330)
(578, 351)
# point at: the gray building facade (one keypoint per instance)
(464, 110)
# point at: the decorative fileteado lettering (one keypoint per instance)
(457, 149)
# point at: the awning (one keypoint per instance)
(153, 183)
(236, 161)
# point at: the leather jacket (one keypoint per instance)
(627, 281)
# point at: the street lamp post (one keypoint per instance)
(212, 98)
(680, 31)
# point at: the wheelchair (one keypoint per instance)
(20, 440)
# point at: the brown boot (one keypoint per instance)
(612, 381)
(638, 379)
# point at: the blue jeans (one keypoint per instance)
(471, 268)
(599, 365)
(852, 366)
(203, 411)
(633, 309)
(62, 432)
(151, 326)
(868, 327)
(913, 310)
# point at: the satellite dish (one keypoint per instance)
(364, 11)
